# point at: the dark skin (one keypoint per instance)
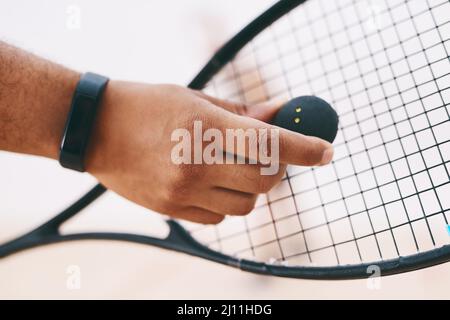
(129, 149)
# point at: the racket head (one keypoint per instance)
(384, 66)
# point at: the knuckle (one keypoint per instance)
(198, 112)
(244, 207)
(278, 176)
(185, 174)
(266, 183)
(177, 192)
(216, 219)
(283, 145)
(247, 207)
(255, 139)
(171, 89)
(263, 138)
(189, 120)
(313, 152)
(247, 176)
(239, 108)
(178, 188)
(167, 207)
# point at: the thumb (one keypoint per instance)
(294, 148)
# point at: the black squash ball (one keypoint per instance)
(310, 116)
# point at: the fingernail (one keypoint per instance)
(327, 156)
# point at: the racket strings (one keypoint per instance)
(386, 70)
(336, 48)
(360, 74)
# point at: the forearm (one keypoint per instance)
(35, 97)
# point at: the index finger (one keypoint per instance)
(294, 148)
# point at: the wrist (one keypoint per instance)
(80, 121)
(35, 98)
(59, 107)
(98, 147)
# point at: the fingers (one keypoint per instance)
(304, 150)
(261, 111)
(294, 148)
(233, 189)
(227, 202)
(245, 178)
(199, 215)
(234, 192)
(264, 111)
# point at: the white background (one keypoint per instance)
(153, 41)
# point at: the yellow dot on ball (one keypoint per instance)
(298, 109)
(297, 120)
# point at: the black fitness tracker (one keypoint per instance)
(80, 120)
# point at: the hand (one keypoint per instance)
(130, 151)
